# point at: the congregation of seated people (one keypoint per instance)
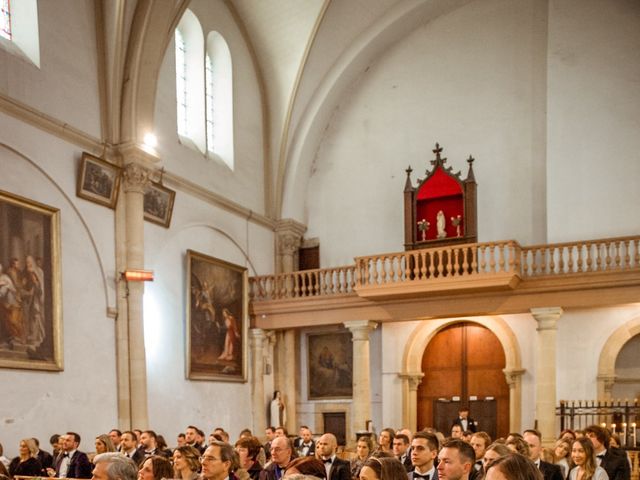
(466, 454)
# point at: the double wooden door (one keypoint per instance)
(463, 365)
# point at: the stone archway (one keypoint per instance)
(412, 365)
(609, 354)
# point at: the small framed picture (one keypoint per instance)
(98, 181)
(158, 204)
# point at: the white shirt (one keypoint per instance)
(64, 464)
(327, 466)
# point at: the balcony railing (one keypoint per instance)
(503, 263)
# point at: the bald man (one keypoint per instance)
(336, 468)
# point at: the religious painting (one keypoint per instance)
(217, 319)
(158, 204)
(330, 364)
(30, 299)
(98, 181)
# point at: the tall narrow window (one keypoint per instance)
(181, 84)
(209, 89)
(5, 19)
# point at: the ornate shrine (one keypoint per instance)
(442, 208)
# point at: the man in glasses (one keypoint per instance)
(281, 454)
(218, 461)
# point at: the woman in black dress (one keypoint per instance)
(26, 462)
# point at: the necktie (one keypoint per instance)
(600, 456)
(327, 460)
(426, 476)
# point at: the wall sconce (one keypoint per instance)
(133, 275)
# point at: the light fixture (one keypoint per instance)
(150, 140)
(133, 275)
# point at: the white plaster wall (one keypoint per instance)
(594, 118)
(245, 184)
(214, 232)
(464, 80)
(35, 403)
(65, 86)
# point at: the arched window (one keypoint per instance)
(19, 29)
(204, 90)
(219, 92)
(5, 19)
(189, 41)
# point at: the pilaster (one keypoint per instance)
(410, 383)
(257, 338)
(546, 345)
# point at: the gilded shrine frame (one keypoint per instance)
(30, 285)
(217, 319)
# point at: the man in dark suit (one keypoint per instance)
(465, 422)
(337, 469)
(306, 446)
(401, 450)
(72, 463)
(534, 440)
(424, 450)
(129, 447)
(281, 454)
(45, 458)
(613, 460)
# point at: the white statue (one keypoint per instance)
(440, 224)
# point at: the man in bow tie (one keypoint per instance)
(534, 440)
(306, 447)
(336, 468)
(401, 450)
(455, 460)
(424, 450)
(614, 461)
(72, 463)
(480, 441)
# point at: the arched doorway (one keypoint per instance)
(464, 364)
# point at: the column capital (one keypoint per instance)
(360, 329)
(547, 317)
(413, 379)
(288, 225)
(513, 376)
(136, 177)
(608, 381)
(258, 336)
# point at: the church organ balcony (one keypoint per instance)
(455, 280)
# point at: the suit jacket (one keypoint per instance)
(471, 424)
(551, 471)
(46, 459)
(616, 464)
(269, 472)
(340, 470)
(79, 466)
(310, 453)
(406, 462)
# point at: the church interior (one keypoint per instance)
(381, 209)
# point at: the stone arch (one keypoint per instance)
(609, 354)
(412, 364)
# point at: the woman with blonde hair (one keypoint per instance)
(561, 454)
(26, 463)
(186, 463)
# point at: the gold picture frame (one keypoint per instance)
(217, 319)
(329, 365)
(30, 285)
(98, 181)
(158, 204)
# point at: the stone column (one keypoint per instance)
(258, 338)
(605, 386)
(410, 383)
(514, 380)
(288, 238)
(136, 177)
(361, 404)
(547, 319)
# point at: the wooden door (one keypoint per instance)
(464, 360)
(336, 423)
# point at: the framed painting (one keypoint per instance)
(330, 365)
(217, 319)
(158, 204)
(30, 298)
(98, 181)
